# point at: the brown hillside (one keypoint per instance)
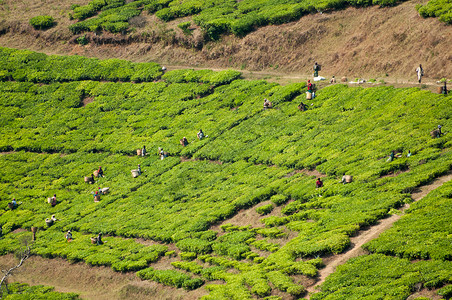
(372, 42)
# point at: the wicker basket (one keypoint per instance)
(434, 133)
(139, 152)
(439, 89)
(344, 79)
(348, 178)
(308, 95)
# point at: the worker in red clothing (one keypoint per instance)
(309, 85)
(318, 183)
(100, 172)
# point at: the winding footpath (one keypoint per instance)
(371, 233)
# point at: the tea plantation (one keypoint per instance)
(61, 123)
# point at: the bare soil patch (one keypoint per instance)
(395, 174)
(87, 100)
(307, 172)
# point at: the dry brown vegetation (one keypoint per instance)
(385, 43)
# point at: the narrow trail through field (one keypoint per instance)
(371, 233)
(290, 77)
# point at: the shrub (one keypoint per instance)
(187, 255)
(195, 245)
(192, 284)
(279, 199)
(82, 40)
(264, 209)
(185, 27)
(446, 291)
(42, 22)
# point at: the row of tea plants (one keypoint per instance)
(215, 17)
(415, 252)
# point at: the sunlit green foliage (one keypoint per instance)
(441, 9)
(18, 291)
(57, 129)
(42, 22)
(215, 17)
(378, 276)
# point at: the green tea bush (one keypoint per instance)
(42, 22)
(284, 283)
(264, 209)
(42, 68)
(24, 291)
(188, 266)
(188, 255)
(446, 291)
(265, 246)
(171, 278)
(279, 199)
(195, 245)
(441, 9)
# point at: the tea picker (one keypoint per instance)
(52, 200)
(184, 141)
(201, 134)
(96, 196)
(333, 80)
(302, 107)
(436, 133)
(317, 68)
(89, 180)
(136, 172)
(49, 222)
(267, 104)
(97, 240)
(162, 153)
(420, 73)
(346, 179)
(13, 204)
(318, 183)
(68, 236)
(99, 172)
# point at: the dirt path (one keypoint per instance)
(284, 78)
(373, 232)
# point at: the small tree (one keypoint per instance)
(22, 254)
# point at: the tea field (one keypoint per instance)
(63, 117)
(423, 236)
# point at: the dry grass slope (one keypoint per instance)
(373, 42)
